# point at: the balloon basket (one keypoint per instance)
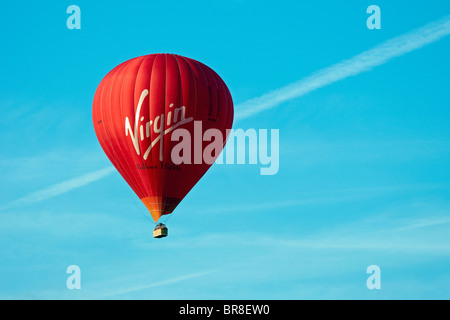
(160, 231)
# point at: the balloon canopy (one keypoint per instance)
(141, 110)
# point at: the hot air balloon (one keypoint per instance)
(144, 108)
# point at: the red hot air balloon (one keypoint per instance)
(139, 105)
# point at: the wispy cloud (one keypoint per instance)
(424, 223)
(360, 63)
(379, 233)
(168, 281)
(61, 188)
(325, 197)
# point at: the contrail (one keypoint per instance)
(360, 63)
(60, 188)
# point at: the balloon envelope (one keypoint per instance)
(142, 105)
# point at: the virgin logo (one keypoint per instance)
(191, 149)
(145, 130)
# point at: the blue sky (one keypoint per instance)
(364, 176)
